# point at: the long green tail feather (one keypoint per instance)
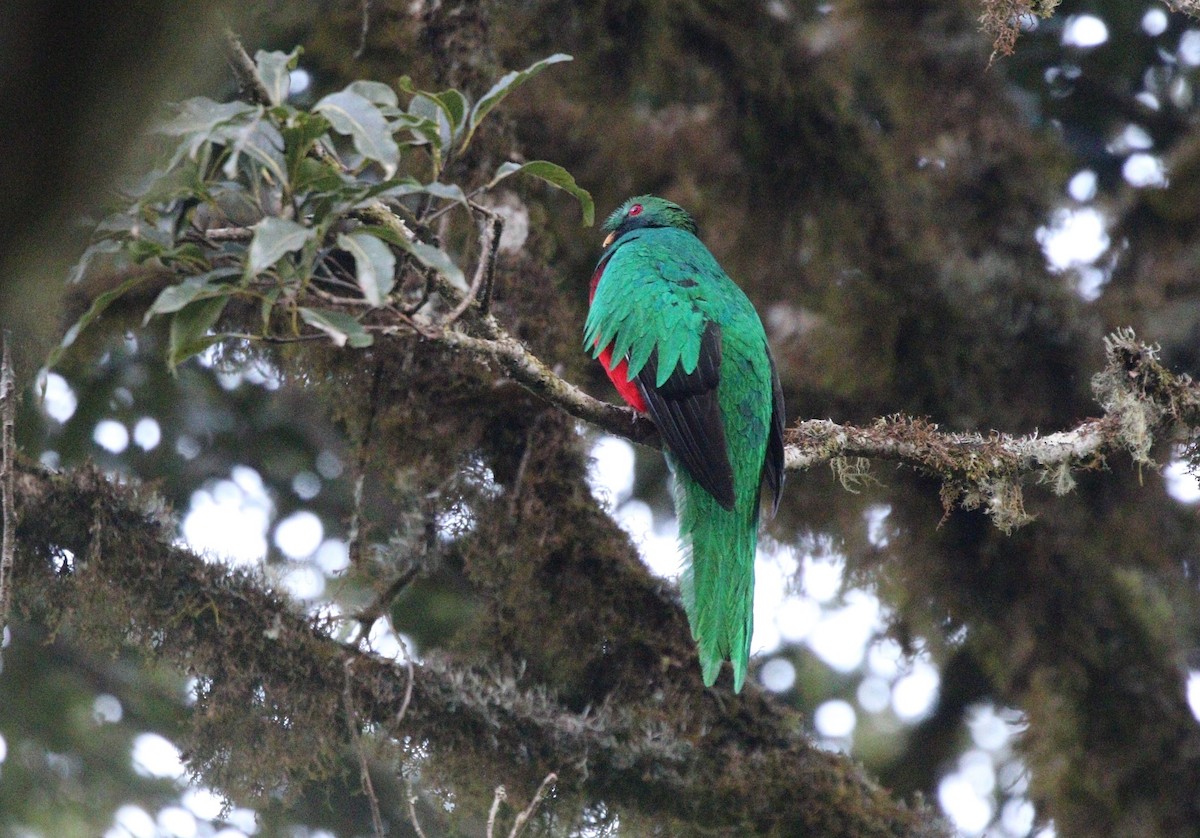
(718, 576)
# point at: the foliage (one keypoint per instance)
(270, 204)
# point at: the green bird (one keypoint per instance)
(683, 344)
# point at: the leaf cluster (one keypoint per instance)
(317, 217)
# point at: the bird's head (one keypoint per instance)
(646, 211)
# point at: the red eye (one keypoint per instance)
(636, 209)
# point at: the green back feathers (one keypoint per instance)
(651, 299)
(654, 269)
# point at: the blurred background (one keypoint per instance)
(921, 231)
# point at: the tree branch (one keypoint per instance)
(250, 83)
(1141, 400)
(8, 449)
(201, 615)
(528, 370)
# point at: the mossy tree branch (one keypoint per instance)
(238, 637)
(1141, 401)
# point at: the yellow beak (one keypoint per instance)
(609, 239)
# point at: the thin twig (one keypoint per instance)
(524, 816)
(487, 253)
(366, 28)
(425, 293)
(369, 789)
(228, 234)
(411, 798)
(276, 339)
(471, 196)
(8, 397)
(374, 611)
(364, 444)
(443, 228)
(412, 677)
(245, 71)
(342, 282)
(499, 797)
(489, 283)
(522, 467)
(356, 738)
(496, 222)
(407, 325)
(337, 299)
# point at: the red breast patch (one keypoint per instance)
(618, 375)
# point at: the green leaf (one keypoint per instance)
(455, 105)
(274, 70)
(273, 237)
(97, 308)
(448, 110)
(314, 176)
(447, 191)
(189, 329)
(104, 246)
(268, 305)
(426, 254)
(386, 187)
(375, 92)
(302, 130)
(432, 257)
(428, 107)
(387, 234)
(199, 121)
(201, 115)
(374, 265)
(141, 249)
(351, 114)
(258, 139)
(553, 174)
(423, 129)
(507, 84)
(341, 327)
(187, 256)
(174, 297)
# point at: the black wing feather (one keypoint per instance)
(773, 465)
(688, 415)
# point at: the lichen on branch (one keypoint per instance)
(267, 674)
(1141, 401)
(1002, 20)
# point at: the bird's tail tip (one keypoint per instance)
(710, 668)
